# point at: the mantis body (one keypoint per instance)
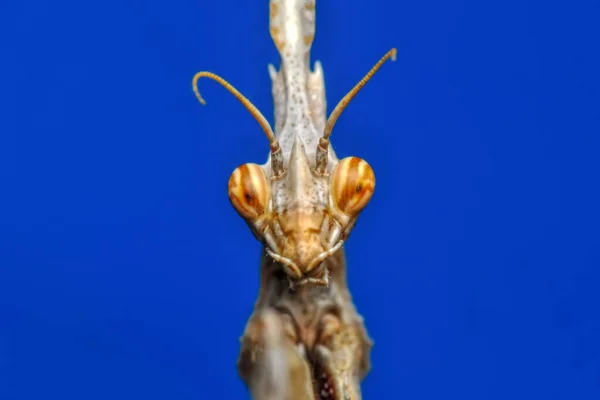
(304, 340)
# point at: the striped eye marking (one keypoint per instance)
(249, 191)
(352, 185)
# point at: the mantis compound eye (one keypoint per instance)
(249, 191)
(352, 185)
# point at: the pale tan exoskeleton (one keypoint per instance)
(305, 339)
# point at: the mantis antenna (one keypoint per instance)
(337, 111)
(277, 157)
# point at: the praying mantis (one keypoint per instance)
(305, 339)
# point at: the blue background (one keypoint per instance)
(126, 274)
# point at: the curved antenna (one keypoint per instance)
(276, 154)
(337, 111)
(262, 121)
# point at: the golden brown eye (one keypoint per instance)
(352, 185)
(249, 191)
